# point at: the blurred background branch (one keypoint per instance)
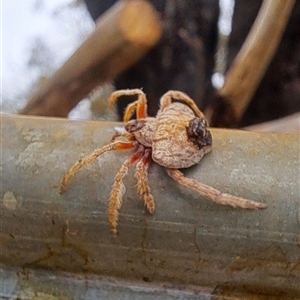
(182, 56)
(250, 64)
(121, 37)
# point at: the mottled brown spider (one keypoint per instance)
(177, 138)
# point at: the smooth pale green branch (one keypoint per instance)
(188, 240)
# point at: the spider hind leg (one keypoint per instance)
(212, 193)
(166, 100)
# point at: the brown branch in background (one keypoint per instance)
(250, 64)
(122, 36)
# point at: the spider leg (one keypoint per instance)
(141, 174)
(130, 110)
(89, 158)
(212, 193)
(129, 136)
(140, 105)
(118, 189)
(166, 100)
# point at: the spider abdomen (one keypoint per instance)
(172, 146)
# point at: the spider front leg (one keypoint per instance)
(87, 159)
(212, 193)
(166, 100)
(139, 106)
(129, 136)
(141, 174)
(118, 189)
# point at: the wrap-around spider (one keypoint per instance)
(177, 138)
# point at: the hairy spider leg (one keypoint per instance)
(87, 159)
(213, 194)
(139, 106)
(166, 100)
(141, 174)
(118, 189)
(129, 136)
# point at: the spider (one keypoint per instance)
(176, 138)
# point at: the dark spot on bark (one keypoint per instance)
(146, 279)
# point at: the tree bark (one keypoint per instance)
(182, 60)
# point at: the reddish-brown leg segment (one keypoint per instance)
(87, 159)
(213, 194)
(166, 100)
(139, 106)
(118, 189)
(141, 174)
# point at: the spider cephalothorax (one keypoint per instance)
(177, 138)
